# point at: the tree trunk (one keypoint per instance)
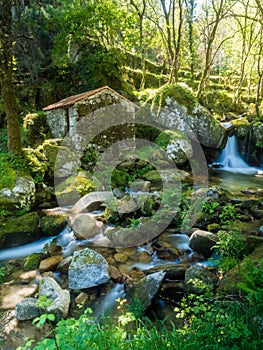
(6, 77)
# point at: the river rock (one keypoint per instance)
(63, 266)
(146, 289)
(19, 230)
(87, 269)
(202, 242)
(27, 309)
(85, 226)
(53, 224)
(51, 263)
(120, 257)
(199, 280)
(60, 298)
(115, 274)
(22, 196)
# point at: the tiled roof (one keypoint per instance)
(69, 101)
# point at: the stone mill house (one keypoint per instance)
(64, 115)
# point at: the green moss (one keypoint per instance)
(26, 223)
(36, 162)
(10, 168)
(52, 225)
(181, 94)
(74, 187)
(243, 126)
(164, 138)
(32, 261)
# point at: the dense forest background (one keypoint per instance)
(59, 48)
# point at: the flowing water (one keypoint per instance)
(231, 160)
(233, 173)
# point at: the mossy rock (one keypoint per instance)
(230, 282)
(252, 242)
(69, 191)
(32, 261)
(176, 145)
(52, 225)
(242, 127)
(178, 92)
(18, 230)
(44, 161)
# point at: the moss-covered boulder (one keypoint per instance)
(87, 269)
(242, 126)
(230, 283)
(69, 191)
(18, 230)
(21, 196)
(176, 145)
(32, 261)
(181, 111)
(53, 224)
(146, 289)
(199, 280)
(49, 159)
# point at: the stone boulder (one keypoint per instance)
(203, 242)
(87, 269)
(50, 264)
(146, 289)
(53, 224)
(176, 144)
(199, 280)
(181, 111)
(22, 196)
(19, 230)
(60, 298)
(85, 226)
(27, 309)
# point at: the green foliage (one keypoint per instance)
(32, 261)
(2, 274)
(209, 207)
(252, 277)
(232, 248)
(36, 127)
(229, 214)
(209, 323)
(11, 166)
(43, 302)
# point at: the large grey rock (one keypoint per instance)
(146, 289)
(202, 242)
(85, 226)
(27, 309)
(60, 298)
(22, 196)
(199, 280)
(87, 269)
(197, 122)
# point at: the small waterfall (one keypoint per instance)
(231, 160)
